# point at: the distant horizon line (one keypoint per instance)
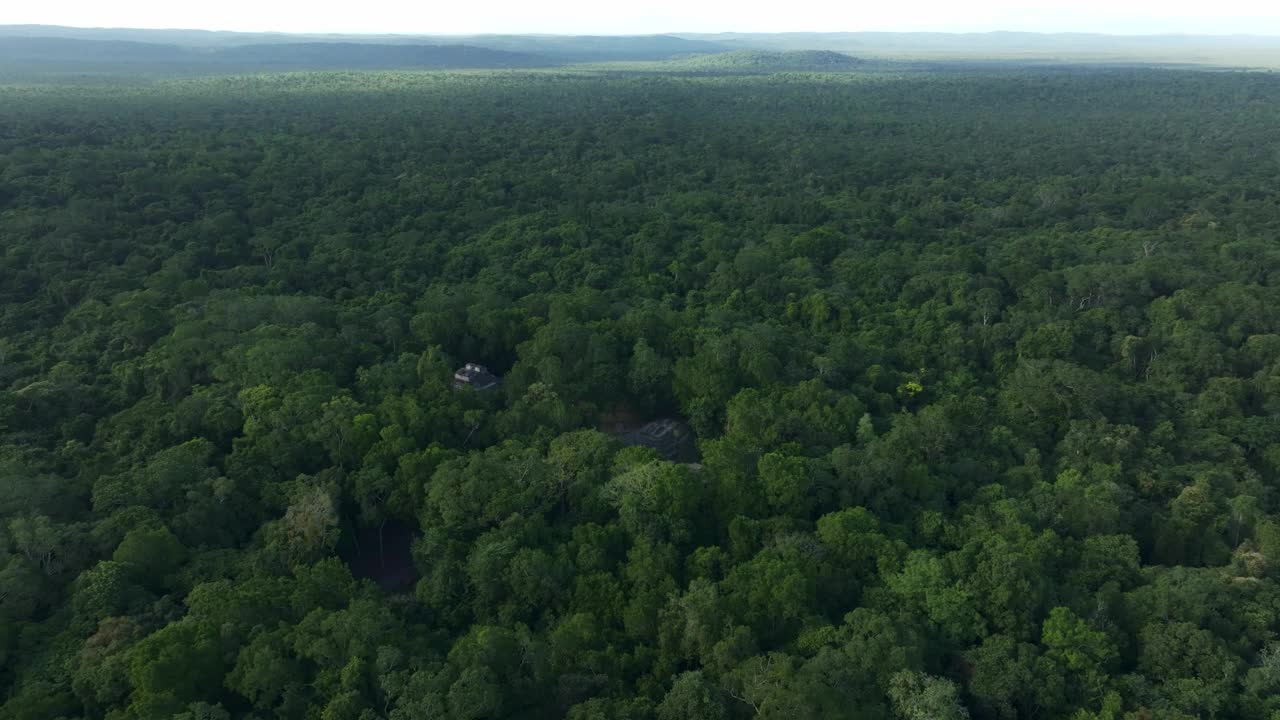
(675, 33)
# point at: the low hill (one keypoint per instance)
(562, 48)
(769, 61)
(1222, 50)
(596, 48)
(68, 50)
(356, 56)
(1211, 50)
(78, 55)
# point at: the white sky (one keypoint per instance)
(650, 16)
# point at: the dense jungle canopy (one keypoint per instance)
(983, 368)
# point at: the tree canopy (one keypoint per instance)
(983, 367)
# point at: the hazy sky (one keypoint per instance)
(648, 16)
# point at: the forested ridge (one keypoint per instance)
(983, 367)
(54, 55)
